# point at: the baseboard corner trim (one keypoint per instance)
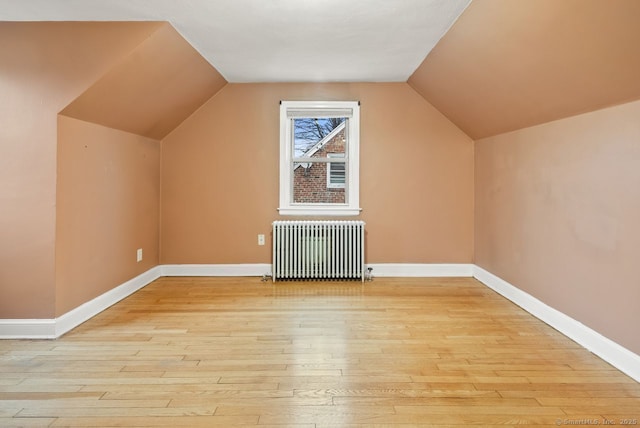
(615, 354)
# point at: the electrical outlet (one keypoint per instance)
(139, 255)
(261, 239)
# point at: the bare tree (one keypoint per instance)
(309, 131)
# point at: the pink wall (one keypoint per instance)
(108, 195)
(220, 176)
(557, 209)
(43, 67)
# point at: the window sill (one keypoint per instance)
(320, 211)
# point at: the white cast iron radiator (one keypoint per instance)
(318, 250)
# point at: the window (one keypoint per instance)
(319, 151)
(336, 172)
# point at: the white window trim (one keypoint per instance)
(352, 156)
(331, 185)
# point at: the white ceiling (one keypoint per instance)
(280, 40)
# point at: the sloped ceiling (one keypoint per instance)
(60, 58)
(152, 90)
(507, 64)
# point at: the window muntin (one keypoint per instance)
(319, 165)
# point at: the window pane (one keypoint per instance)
(314, 137)
(318, 182)
(310, 184)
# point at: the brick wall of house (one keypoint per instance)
(310, 184)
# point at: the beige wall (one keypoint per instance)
(43, 67)
(108, 196)
(220, 176)
(557, 209)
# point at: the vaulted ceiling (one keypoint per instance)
(490, 66)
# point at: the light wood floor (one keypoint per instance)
(202, 352)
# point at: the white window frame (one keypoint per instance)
(352, 160)
(331, 185)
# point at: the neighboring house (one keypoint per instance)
(322, 182)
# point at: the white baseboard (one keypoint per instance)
(379, 269)
(28, 329)
(613, 353)
(256, 269)
(425, 270)
(53, 328)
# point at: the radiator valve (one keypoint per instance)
(368, 276)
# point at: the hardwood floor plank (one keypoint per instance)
(505, 409)
(558, 393)
(193, 393)
(263, 401)
(8, 396)
(157, 421)
(181, 385)
(619, 402)
(7, 411)
(45, 388)
(304, 414)
(471, 379)
(435, 401)
(304, 379)
(628, 410)
(25, 422)
(374, 391)
(83, 402)
(115, 411)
